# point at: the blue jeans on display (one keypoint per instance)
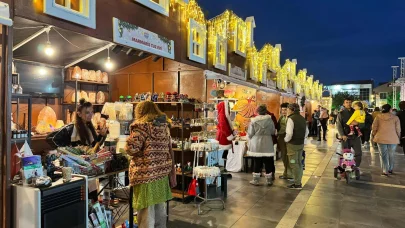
(387, 154)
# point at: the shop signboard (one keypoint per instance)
(237, 72)
(136, 37)
(5, 14)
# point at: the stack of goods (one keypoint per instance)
(84, 160)
(75, 73)
(205, 146)
(99, 216)
(155, 97)
(206, 172)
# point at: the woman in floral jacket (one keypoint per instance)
(151, 168)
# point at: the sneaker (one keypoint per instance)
(319, 140)
(391, 172)
(294, 186)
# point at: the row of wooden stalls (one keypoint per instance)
(106, 51)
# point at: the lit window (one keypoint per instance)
(221, 53)
(383, 96)
(197, 42)
(82, 12)
(240, 42)
(160, 6)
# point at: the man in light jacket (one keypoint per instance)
(296, 133)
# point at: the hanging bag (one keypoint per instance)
(193, 189)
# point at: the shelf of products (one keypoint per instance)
(86, 82)
(17, 129)
(91, 85)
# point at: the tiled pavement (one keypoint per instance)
(374, 201)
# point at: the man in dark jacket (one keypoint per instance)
(282, 146)
(401, 116)
(296, 133)
(352, 141)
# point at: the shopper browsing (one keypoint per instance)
(296, 133)
(387, 131)
(151, 167)
(260, 147)
(357, 119)
(281, 128)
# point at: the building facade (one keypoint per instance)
(361, 88)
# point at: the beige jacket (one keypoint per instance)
(386, 129)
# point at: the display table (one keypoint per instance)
(234, 162)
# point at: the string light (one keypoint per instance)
(49, 51)
(108, 64)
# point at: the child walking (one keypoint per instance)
(357, 119)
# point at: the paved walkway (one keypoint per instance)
(374, 201)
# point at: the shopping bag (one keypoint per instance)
(193, 189)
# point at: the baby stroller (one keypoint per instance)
(346, 167)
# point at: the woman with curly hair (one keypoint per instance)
(151, 168)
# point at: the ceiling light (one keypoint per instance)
(49, 51)
(108, 64)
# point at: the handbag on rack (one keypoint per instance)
(193, 188)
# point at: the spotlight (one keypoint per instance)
(141, 54)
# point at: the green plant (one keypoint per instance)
(339, 98)
(390, 99)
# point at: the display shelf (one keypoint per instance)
(180, 150)
(16, 95)
(75, 104)
(19, 140)
(164, 102)
(222, 99)
(87, 82)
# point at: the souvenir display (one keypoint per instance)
(96, 118)
(92, 75)
(85, 75)
(83, 95)
(161, 97)
(168, 97)
(73, 99)
(175, 97)
(92, 97)
(104, 77)
(48, 116)
(100, 98)
(99, 76)
(76, 73)
(137, 98)
(155, 97)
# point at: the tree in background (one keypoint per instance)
(339, 98)
(390, 99)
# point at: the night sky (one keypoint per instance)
(334, 40)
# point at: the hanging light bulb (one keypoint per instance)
(49, 51)
(108, 64)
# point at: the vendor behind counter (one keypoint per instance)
(82, 131)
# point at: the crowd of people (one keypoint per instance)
(151, 170)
